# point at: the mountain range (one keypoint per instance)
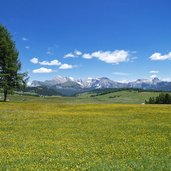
(70, 86)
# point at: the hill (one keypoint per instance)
(123, 96)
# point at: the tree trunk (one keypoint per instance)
(5, 95)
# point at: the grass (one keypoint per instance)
(48, 135)
(124, 97)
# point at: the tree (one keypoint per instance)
(10, 78)
(162, 98)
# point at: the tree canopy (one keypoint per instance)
(162, 98)
(10, 65)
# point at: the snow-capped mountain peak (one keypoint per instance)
(155, 80)
(59, 79)
(79, 85)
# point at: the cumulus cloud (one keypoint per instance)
(66, 66)
(69, 55)
(87, 56)
(120, 73)
(24, 39)
(34, 60)
(42, 70)
(74, 54)
(153, 72)
(158, 57)
(113, 57)
(77, 52)
(50, 63)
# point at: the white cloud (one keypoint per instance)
(48, 63)
(153, 72)
(157, 56)
(24, 39)
(74, 54)
(87, 56)
(49, 53)
(42, 70)
(113, 57)
(27, 47)
(51, 63)
(120, 73)
(66, 66)
(153, 76)
(77, 52)
(34, 60)
(69, 55)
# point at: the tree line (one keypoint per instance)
(162, 98)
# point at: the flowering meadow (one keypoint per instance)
(53, 136)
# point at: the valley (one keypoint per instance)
(109, 96)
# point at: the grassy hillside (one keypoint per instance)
(124, 97)
(51, 136)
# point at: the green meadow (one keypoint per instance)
(118, 97)
(56, 133)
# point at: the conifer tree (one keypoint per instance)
(10, 77)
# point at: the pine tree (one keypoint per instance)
(10, 78)
(162, 98)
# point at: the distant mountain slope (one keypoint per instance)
(70, 86)
(44, 91)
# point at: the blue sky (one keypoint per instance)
(119, 39)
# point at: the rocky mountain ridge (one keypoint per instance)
(70, 86)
